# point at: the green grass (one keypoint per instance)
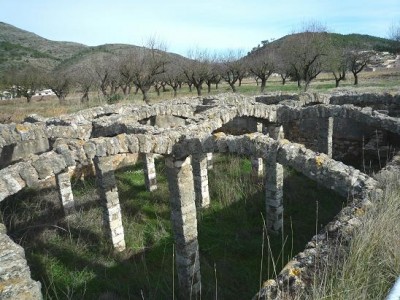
(73, 259)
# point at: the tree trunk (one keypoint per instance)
(355, 78)
(198, 89)
(190, 87)
(61, 98)
(283, 79)
(209, 87)
(232, 85)
(28, 98)
(305, 87)
(240, 81)
(85, 97)
(144, 91)
(175, 91)
(263, 84)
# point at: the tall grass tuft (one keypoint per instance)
(372, 264)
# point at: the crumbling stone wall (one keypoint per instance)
(15, 276)
(192, 128)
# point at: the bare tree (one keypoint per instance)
(147, 64)
(262, 64)
(357, 61)
(27, 81)
(304, 53)
(103, 71)
(85, 81)
(173, 75)
(197, 69)
(60, 83)
(394, 34)
(214, 76)
(338, 63)
(232, 68)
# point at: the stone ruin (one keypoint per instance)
(312, 133)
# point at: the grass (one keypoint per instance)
(73, 259)
(371, 264)
(17, 109)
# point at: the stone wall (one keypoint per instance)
(15, 276)
(186, 131)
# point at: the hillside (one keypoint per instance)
(354, 41)
(20, 47)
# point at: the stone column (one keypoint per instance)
(107, 188)
(209, 161)
(184, 224)
(65, 192)
(257, 163)
(257, 167)
(276, 131)
(274, 193)
(150, 178)
(325, 131)
(200, 178)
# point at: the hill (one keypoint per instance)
(355, 41)
(19, 47)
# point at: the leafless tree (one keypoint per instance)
(197, 69)
(104, 70)
(304, 52)
(126, 70)
(394, 34)
(337, 63)
(232, 68)
(148, 63)
(173, 75)
(261, 65)
(85, 81)
(60, 83)
(27, 81)
(214, 76)
(357, 61)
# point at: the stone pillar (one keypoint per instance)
(257, 163)
(274, 193)
(107, 188)
(65, 192)
(257, 167)
(200, 178)
(184, 224)
(276, 131)
(209, 161)
(325, 131)
(150, 178)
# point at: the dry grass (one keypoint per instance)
(372, 264)
(380, 81)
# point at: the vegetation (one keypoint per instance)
(73, 259)
(116, 70)
(371, 264)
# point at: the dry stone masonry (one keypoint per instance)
(186, 132)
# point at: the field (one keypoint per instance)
(16, 110)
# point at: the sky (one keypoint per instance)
(218, 25)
